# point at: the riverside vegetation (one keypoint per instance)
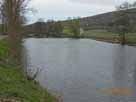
(104, 35)
(14, 86)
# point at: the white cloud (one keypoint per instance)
(102, 2)
(61, 9)
(98, 2)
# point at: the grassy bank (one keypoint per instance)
(103, 35)
(14, 87)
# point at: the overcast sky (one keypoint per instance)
(62, 9)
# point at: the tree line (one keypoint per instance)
(52, 28)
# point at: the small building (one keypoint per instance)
(81, 31)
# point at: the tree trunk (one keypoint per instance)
(123, 39)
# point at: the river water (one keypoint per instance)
(80, 70)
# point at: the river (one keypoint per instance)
(79, 70)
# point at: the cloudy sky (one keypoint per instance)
(62, 9)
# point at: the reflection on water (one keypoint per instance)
(124, 66)
(77, 70)
(120, 68)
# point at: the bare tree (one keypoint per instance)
(14, 14)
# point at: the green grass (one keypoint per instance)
(109, 36)
(131, 38)
(3, 48)
(13, 82)
(100, 34)
(67, 32)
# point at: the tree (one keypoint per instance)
(39, 26)
(3, 26)
(121, 21)
(40, 20)
(13, 12)
(58, 27)
(50, 27)
(54, 28)
(126, 6)
(74, 26)
(134, 5)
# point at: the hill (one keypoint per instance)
(102, 21)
